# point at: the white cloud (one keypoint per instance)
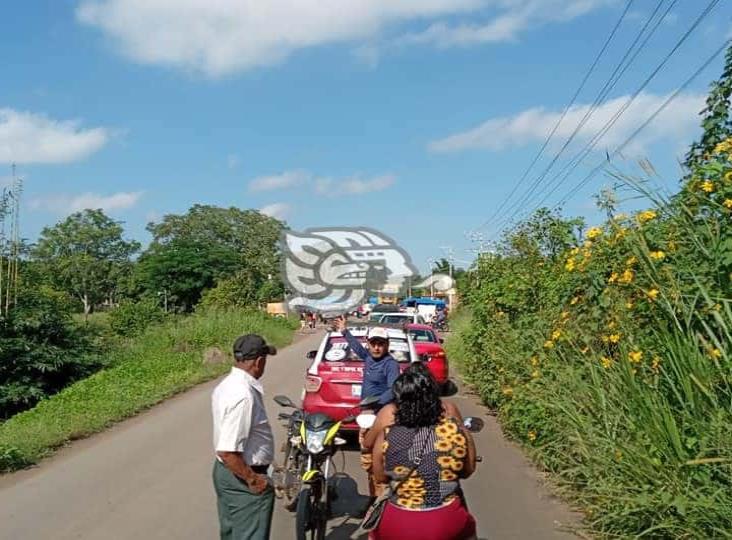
(276, 210)
(353, 185)
(33, 138)
(65, 203)
(221, 37)
(676, 123)
(283, 180)
(515, 18)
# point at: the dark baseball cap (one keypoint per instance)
(251, 346)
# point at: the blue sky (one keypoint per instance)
(415, 118)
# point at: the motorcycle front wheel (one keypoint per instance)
(293, 475)
(310, 515)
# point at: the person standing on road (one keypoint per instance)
(379, 373)
(243, 445)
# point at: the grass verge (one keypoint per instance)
(164, 361)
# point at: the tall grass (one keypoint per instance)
(163, 361)
(613, 366)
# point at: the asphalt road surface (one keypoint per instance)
(150, 477)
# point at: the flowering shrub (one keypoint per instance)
(608, 354)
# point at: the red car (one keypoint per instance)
(429, 349)
(333, 380)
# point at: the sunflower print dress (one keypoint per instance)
(435, 482)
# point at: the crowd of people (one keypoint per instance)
(415, 454)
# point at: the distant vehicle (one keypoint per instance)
(403, 318)
(333, 380)
(429, 349)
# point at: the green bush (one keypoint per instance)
(41, 350)
(132, 318)
(164, 360)
(609, 357)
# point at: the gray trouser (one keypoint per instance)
(242, 514)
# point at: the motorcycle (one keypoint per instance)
(303, 480)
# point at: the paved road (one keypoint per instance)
(149, 478)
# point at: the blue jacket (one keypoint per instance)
(378, 375)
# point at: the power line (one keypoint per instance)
(650, 119)
(564, 113)
(615, 76)
(608, 125)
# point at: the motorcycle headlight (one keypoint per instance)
(315, 440)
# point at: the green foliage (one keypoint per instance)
(211, 246)
(242, 290)
(608, 356)
(41, 350)
(715, 117)
(163, 361)
(84, 255)
(132, 318)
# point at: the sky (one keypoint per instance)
(417, 118)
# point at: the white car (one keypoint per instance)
(402, 318)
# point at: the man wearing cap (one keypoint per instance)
(243, 445)
(379, 373)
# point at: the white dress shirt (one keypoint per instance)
(239, 419)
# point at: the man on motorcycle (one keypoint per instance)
(379, 373)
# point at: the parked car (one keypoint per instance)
(402, 318)
(333, 380)
(429, 349)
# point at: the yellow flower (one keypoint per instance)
(458, 439)
(535, 374)
(442, 445)
(594, 232)
(656, 364)
(728, 203)
(652, 294)
(627, 277)
(574, 300)
(556, 334)
(569, 266)
(658, 255)
(631, 261)
(534, 361)
(450, 427)
(629, 304)
(447, 476)
(707, 186)
(459, 452)
(548, 344)
(456, 465)
(606, 362)
(613, 277)
(401, 470)
(614, 338)
(724, 146)
(531, 435)
(565, 315)
(647, 215)
(507, 391)
(635, 356)
(445, 462)
(715, 353)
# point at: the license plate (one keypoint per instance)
(356, 390)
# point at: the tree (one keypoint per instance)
(84, 256)
(715, 117)
(205, 246)
(183, 268)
